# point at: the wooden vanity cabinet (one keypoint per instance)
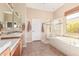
(17, 51)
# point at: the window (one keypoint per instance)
(72, 20)
(73, 23)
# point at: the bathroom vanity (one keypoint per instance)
(11, 33)
(11, 47)
(11, 44)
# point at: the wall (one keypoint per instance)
(35, 13)
(60, 12)
(4, 6)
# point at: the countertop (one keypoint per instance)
(8, 43)
(12, 35)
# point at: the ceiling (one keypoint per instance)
(45, 6)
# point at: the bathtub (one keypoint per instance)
(67, 45)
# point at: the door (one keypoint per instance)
(36, 29)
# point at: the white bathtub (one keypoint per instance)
(67, 45)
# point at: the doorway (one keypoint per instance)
(36, 29)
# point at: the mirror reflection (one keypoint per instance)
(10, 22)
(5, 20)
(17, 22)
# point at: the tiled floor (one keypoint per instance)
(37, 48)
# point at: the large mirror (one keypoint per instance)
(17, 22)
(10, 21)
(6, 21)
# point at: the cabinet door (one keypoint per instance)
(21, 47)
(17, 51)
